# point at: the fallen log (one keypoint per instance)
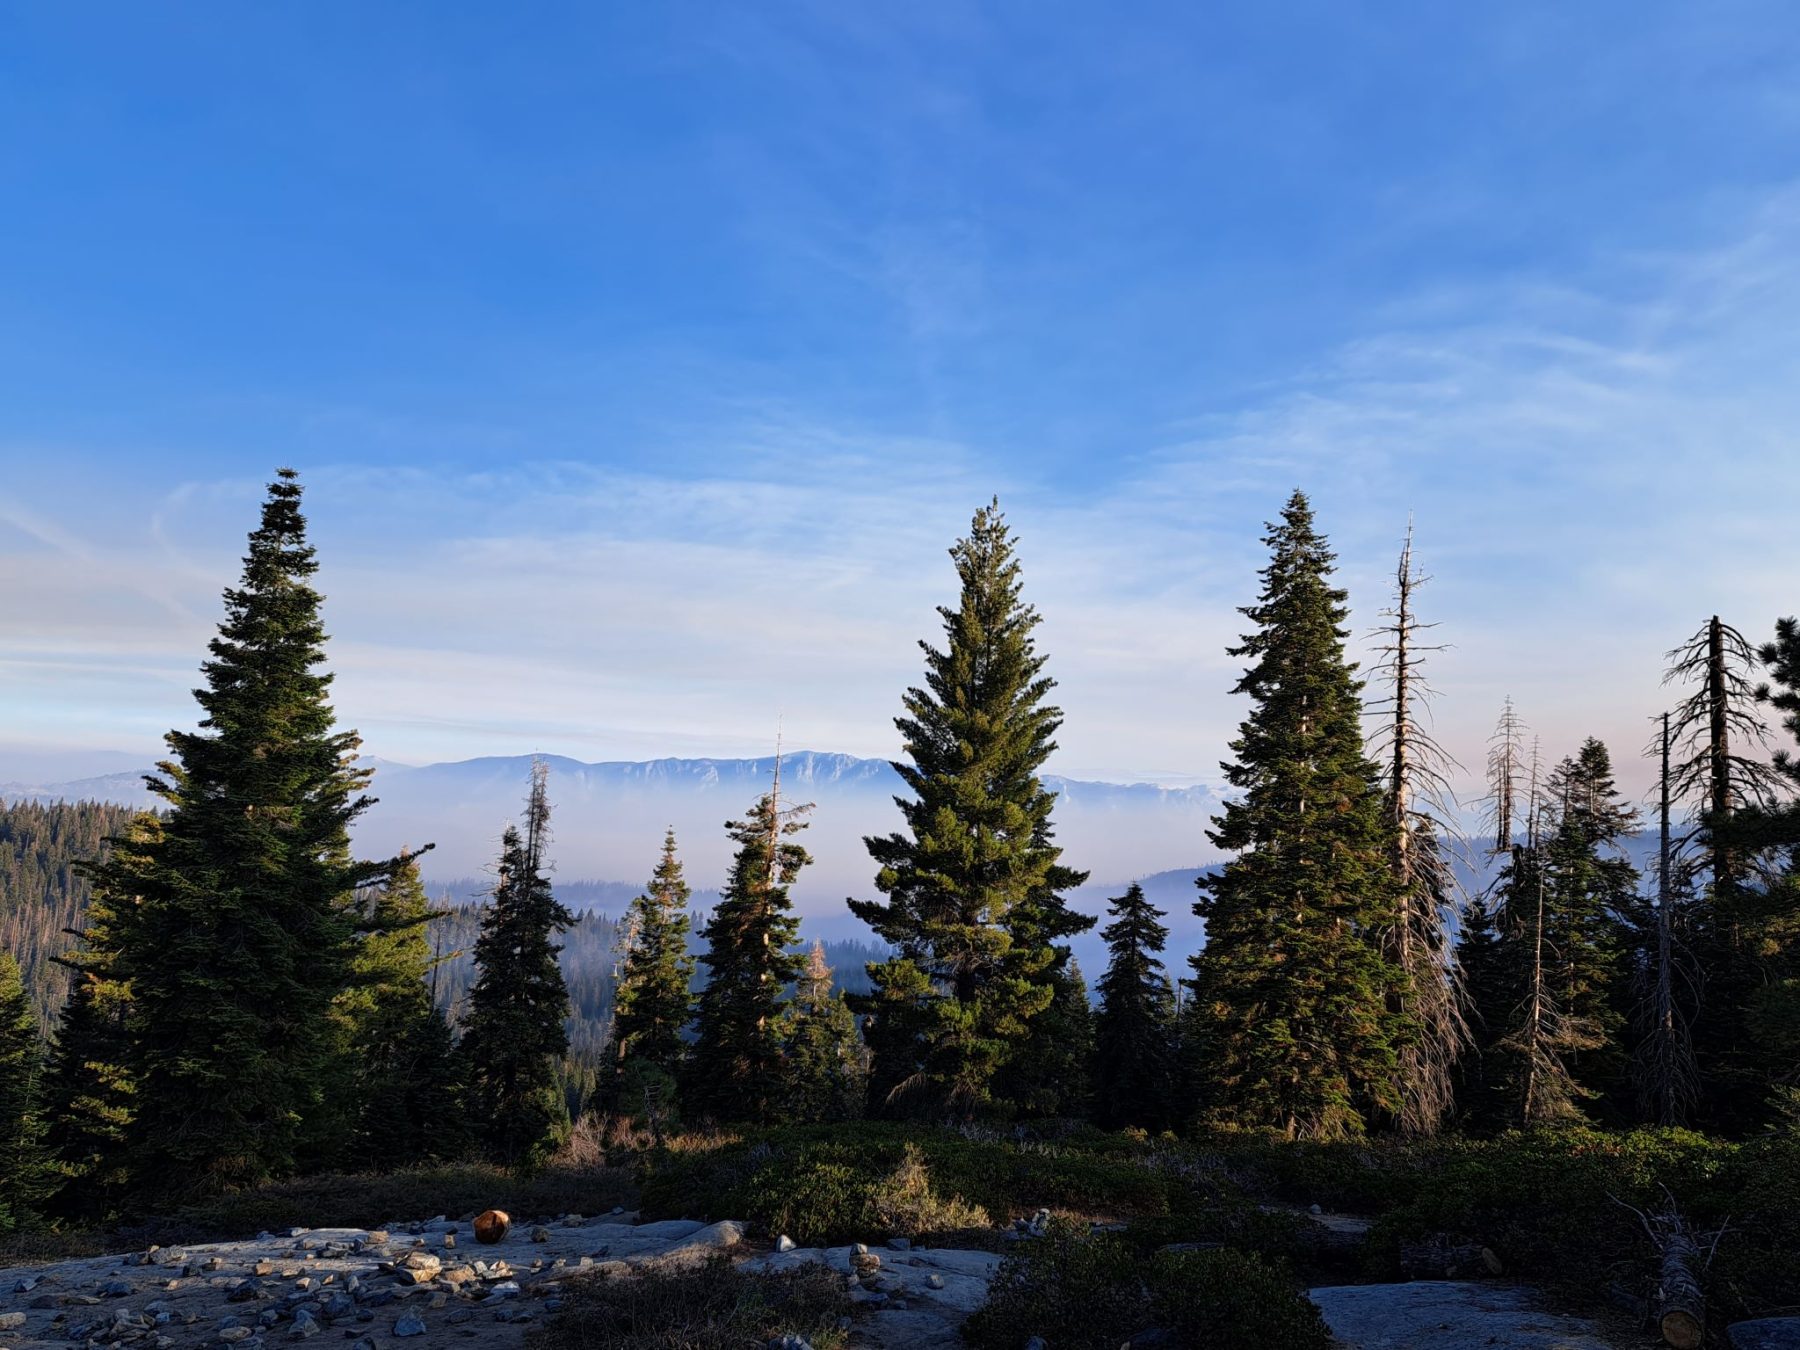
(1680, 1302)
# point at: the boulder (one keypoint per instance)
(492, 1226)
(1765, 1333)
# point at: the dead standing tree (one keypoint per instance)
(1419, 807)
(1668, 1080)
(1715, 733)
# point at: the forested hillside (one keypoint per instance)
(42, 890)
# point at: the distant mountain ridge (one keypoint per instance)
(609, 816)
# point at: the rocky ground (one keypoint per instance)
(431, 1284)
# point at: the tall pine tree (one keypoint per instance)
(653, 1005)
(514, 1035)
(827, 1064)
(25, 1175)
(91, 1093)
(1292, 991)
(735, 1070)
(403, 1093)
(242, 929)
(974, 884)
(1134, 1057)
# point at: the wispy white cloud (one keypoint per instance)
(1595, 465)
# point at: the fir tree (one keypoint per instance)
(1135, 1030)
(242, 928)
(735, 1067)
(827, 1064)
(1592, 888)
(974, 885)
(1050, 1072)
(91, 1092)
(25, 1175)
(653, 1005)
(403, 1089)
(514, 1035)
(1292, 989)
(89, 1096)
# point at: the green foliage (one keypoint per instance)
(821, 1184)
(974, 884)
(25, 1177)
(89, 1100)
(653, 1004)
(240, 928)
(735, 1069)
(1092, 1291)
(716, 1307)
(402, 1095)
(1292, 992)
(1050, 1072)
(43, 888)
(1135, 1030)
(827, 1064)
(514, 1039)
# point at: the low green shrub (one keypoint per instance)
(715, 1307)
(840, 1183)
(1091, 1291)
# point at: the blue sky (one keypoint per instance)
(642, 359)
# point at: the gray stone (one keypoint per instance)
(784, 1243)
(1765, 1333)
(899, 1244)
(409, 1324)
(11, 1321)
(1448, 1315)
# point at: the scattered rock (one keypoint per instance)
(540, 1234)
(935, 1280)
(492, 1226)
(409, 1324)
(899, 1244)
(784, 1243)
(232, 1334)
(11, 1321)
(1765, 1333)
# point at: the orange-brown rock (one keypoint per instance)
(492, 1226)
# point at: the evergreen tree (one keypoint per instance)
(735, 1067)
(89, 1096)
(1489, 989)
(91, 1092)
(827, 1063)
(404, 1101)
(514, 1035)
(241, 930)
(1292, 990)
(1135, 1030)
(1754, 1067)
(25, 1176)
(1050, 1072)
(1592, 888)
(974, 884)
(653, 1005)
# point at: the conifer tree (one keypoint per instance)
(1592, 888)
(1135, 1030)
(974, 884)
(827, 1064)
(88, 1101)
(653, 1005)
(404, 1096)
(25, 1175)
(1528, 1075)
(735, 1066)
(90, 1095)
(1292, 991)
(241, 930)
(514, 1035)
(1755, 1064)
(1716, 772)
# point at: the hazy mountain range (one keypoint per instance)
(609, 819)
